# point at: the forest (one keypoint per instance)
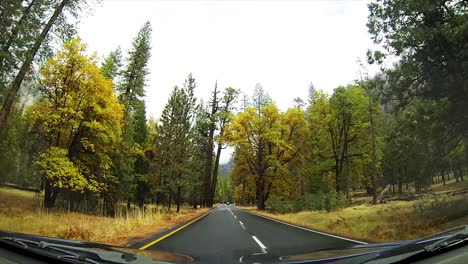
(74, 126)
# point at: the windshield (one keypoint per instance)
(232, 131)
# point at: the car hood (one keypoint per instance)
(323, 256)
(361, 253)
(160, 256)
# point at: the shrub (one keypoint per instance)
(310, 202)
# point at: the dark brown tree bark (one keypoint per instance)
(179, 192)
(214, 179)
(207, 200)
(50, 194)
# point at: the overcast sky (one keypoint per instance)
(284, 45)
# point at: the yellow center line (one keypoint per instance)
(172, 232)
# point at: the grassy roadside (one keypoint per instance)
(18, 210)
(394, 220)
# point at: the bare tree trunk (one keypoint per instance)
(214, 179)
(261, 192)
(209, 151)
(25, 66)
(442, 174)
(400, 187)
(179, 191)
(50, 194)
(208, 169)
(170, 201)
(243, 193)
(374, 152)
(460, 172)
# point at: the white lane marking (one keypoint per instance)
(313, 231)
(231, 211)
(242, 224)
(260, 253)
(259, 242)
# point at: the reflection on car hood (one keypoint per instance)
(335, 254)
(102, 248)
(157, 255)
(331, 254)
(365, 252)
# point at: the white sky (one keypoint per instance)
(284, 45)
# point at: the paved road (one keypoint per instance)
(231, 235)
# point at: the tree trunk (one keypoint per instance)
(260, 202)
(465, 121)
(209, 150)
(170, 201)
(158, 198)
(109, 205)
(460, 171)
(50, 194)
(179, 191)
(374, 152)
(194, 198)
(260, 193)
(346, 179)
(243, 193)
(381, 196)
(337, 176)
(208, 168)
(7, 104)
(400, 187)
(215, 175)
(442, 174)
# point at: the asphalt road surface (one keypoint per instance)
(231, 235)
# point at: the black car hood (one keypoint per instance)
(101, 248)
(361, 253)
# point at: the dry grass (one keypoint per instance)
(451, 185)
(19, 212)
(396, 220)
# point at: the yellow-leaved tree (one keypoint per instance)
(80, 119)
(267, 141)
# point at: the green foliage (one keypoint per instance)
(175, 149)
(310, 202)
(339, 142)
(430, 39)
(112, 64)
(132, 161)
(80, 115)
(57, 167)
(267, 142)
(133, 77)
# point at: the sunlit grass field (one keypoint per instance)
(394, 220)
(19, 212)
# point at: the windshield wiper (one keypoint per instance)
(420, 248)
(82, 254)
(60, 252)
(448, 241)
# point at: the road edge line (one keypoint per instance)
(303, 228)
(152, 243)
